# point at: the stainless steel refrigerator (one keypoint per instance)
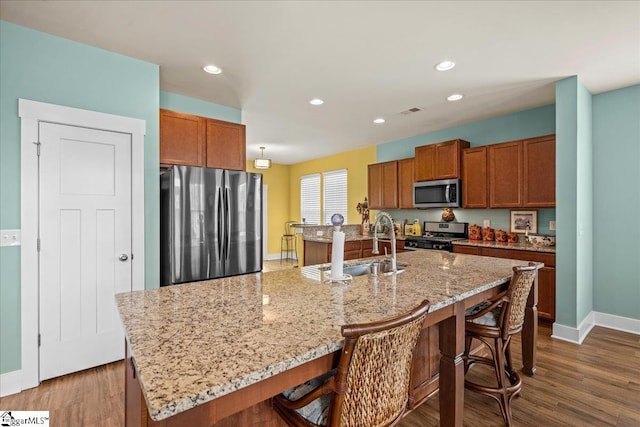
(210, 224)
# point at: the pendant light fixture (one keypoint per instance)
(262, 163)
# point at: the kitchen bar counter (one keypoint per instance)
(521, 246)
(197, 342)
(350, 238)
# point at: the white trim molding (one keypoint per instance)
(31, 114)
(610, 321)
(10, 383)
(618, 323)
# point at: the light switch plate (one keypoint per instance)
(486, 223)
(10, 237)
(552, 225)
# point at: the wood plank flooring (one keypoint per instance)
(595, 384)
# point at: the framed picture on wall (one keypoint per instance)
(523, 221)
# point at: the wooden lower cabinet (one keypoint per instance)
(320, 252)
(546, 275)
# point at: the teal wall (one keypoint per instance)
(185, 104)
(41, 67)
(584, 194)
(616, 207)
(523, 124)
(574, 258)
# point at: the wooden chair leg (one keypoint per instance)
(503, 397)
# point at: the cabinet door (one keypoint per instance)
(316, 252)
(374, 185)
(474, 177)
(405, 183)
(182, 139)
(540, 172)
(383, 185)
(226, 146)
(447, 164)
(424, 162)
(547, 293)
(505, 175)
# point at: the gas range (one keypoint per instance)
(438, 235)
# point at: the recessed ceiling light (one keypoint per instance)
(444, 65)
(378, 120)
(455, 97)
(212, 69)
(316, 101)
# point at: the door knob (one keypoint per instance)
(123, 257)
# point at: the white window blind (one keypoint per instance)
(310, 198)
(335, 194)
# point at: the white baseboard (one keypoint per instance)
(577, 335)
(618, 323)
(10, 383)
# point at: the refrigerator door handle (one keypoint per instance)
(219, 238)
(227, 222)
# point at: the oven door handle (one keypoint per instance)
(447, 188)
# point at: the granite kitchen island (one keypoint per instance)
(200, 352)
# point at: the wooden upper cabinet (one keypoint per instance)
(505, 175)
(405, 183)
(540, 172)
(186, 139)
(439, 161)
(522, 174)
(182, 139)
(226, 146)
(383, 185)
(425, 163)
(474, 177)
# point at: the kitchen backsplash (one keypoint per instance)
(500, 218)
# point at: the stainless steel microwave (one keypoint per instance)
(444, 193)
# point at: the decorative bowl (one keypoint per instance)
(542, 240)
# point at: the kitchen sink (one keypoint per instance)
(369, 267)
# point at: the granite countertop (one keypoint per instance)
(349, 238)
(197, 341)
(521, 246)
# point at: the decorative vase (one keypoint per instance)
(448, 215)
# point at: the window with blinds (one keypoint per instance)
(310, 198)
(335, 194)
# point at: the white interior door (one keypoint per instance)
(85, 246)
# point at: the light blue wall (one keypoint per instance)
(41, 67)
(566, 200)
(185, 104)
(523, 124)
(584, 192)
(616, 197)
(574, 207)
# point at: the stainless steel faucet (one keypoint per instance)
(376, 251)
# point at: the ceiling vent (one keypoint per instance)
(411, 110)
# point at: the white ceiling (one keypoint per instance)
(366, 59)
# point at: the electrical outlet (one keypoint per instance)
(486, 223)
(10, 237)
(552, 225)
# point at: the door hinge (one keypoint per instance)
(131, 257)
(38, 144)
(39, 340)
(38, 242)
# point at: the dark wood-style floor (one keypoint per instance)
(595, 384)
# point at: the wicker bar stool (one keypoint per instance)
(370, 386)
(493, 323)
(288, 242)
